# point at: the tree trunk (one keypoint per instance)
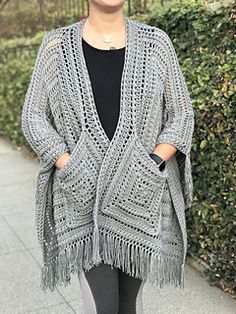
(41, 12)
(2, 4)
(129, 8)
(145, 6)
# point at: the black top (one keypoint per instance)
(105, 70)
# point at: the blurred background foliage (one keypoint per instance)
(27, 17)
(203, 34)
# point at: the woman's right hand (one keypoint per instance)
(62, 160)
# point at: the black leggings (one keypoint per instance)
(107, 290)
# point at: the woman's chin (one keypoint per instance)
(108, 3)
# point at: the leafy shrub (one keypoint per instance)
(205, 44)
(12, 92)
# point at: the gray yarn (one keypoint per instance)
(110, 201)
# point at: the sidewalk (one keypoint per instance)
(21, 258)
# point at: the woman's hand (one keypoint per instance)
(165, 150)
(62, 160)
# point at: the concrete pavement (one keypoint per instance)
(21, 258)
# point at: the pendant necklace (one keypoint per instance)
(109, 40)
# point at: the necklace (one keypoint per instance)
(109, 40)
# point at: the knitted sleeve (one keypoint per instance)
(179, 115)
(35, 118)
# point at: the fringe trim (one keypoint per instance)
(73, 258)
(129, 256)
(143, 264)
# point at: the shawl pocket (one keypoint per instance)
(136, 190)
(77, 182)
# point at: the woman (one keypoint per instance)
(109, 115)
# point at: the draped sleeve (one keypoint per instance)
(35, 118)
(44, 139)
(178, 118)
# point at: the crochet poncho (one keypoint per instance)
(110, 201)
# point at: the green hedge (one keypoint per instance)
(16, 66)
(205, 45)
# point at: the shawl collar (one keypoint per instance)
(88, 103)
(88, 107)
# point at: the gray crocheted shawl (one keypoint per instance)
(110, 201)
